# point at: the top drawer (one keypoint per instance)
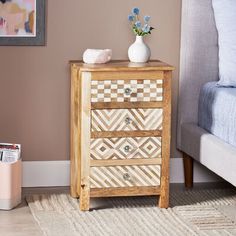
(126, 90)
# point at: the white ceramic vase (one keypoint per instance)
(139, 52)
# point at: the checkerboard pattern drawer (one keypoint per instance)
(127, 119)
(125, 148)
(124, 176)
(126, 90)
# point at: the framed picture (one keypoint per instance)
(22, 22)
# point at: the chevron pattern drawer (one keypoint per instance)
(125, 148)
(120, 130)
(126, 119)
(126, 90)
(124, 176)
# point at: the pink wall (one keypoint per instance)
(34, 81)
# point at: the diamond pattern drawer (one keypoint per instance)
(126, 90)
(124, 176)
(126, 119)
(125, 148)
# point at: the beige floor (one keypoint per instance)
(20, 222)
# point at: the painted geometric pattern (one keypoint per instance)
(124, 176)
(126, 90)
(126, 119)
(125, 148)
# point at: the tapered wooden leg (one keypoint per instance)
(188, 170)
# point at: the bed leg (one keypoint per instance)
(188, 170)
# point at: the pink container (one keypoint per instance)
(10, 185)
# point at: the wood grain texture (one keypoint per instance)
(125, 191)
(125, 105)
(123, 65)
(75, 132)
(120, 134)
(84, 184)
(128, 75)
(128, 162)
(166, 135)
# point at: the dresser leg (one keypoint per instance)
(188, 170)
(163, 201)
(164, 195)
(84, 200)
(85, 139)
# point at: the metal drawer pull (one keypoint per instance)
(128, 120)
(127, 148)
(126, 176)
(128, 91)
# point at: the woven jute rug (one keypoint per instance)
(195, 212)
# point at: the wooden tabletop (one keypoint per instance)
(124, 65)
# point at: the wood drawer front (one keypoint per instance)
(125, 148)
(124, 176)
(126, 90)
(126, 119)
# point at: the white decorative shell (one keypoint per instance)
(93, 56)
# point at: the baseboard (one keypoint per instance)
(57, 173)
(201, 173)
(46, 173)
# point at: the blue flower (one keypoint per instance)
(138, 24)
(146, 28)
(135, 11)
(130, 17)
(146, 18)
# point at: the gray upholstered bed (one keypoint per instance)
(199, 64)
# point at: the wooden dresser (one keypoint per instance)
(120, 130)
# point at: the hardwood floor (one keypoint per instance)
(20, 221)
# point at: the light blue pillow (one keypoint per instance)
(225, 17)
